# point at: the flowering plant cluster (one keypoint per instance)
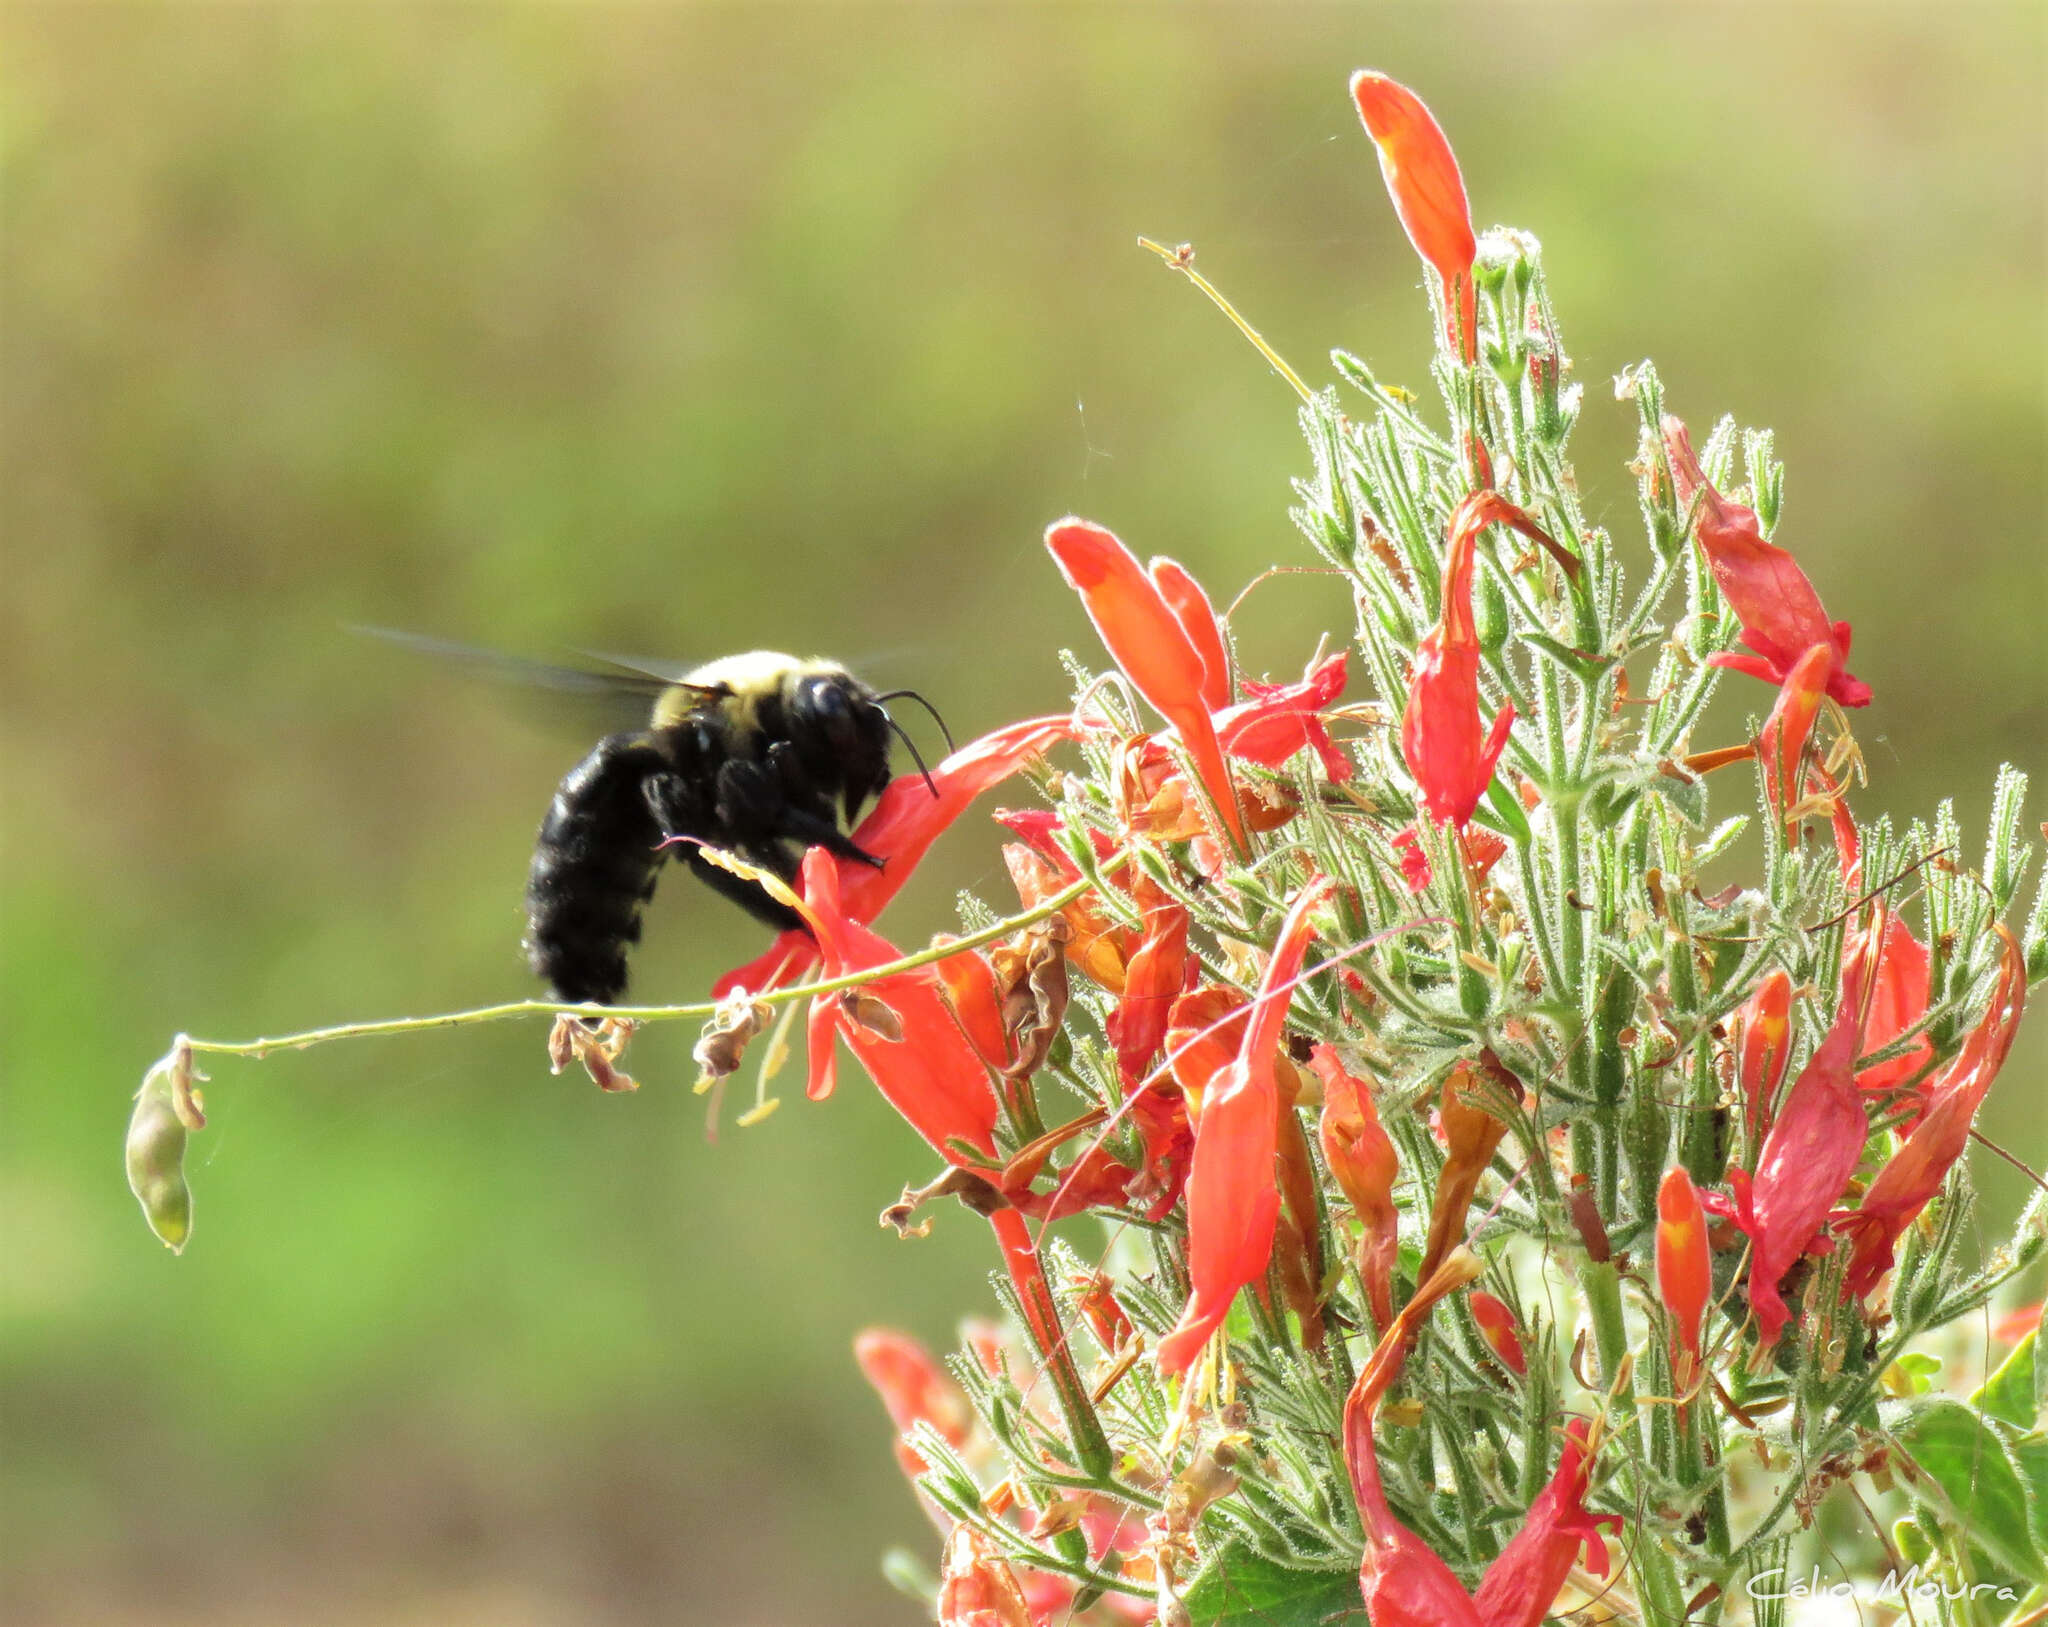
(1515, 1190)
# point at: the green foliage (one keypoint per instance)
(1965, 1468)
(1239, 1588)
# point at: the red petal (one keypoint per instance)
(904, 822)
(1197, 618)
(1232, 1201)
(1781, 613)
(1915, 1172)
(1520, 1586)
(1283, 719)
(1808, 1157)
(1898, 1000)
(1781, 748)
(931, 1075)
(1146, 640)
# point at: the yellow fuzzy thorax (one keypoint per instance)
(738, 684)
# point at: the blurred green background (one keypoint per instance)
(682, 331)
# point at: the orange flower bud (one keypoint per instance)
(1766, 1026)
(1684, 1273)
(1497, 1324)
(1781, 748)
(1422, 178)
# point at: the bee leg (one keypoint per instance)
(754, 804)
(812, 831)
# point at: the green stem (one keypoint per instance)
(306, 1039)
(1041, 1316)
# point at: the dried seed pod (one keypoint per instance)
(722, 1044)
(573, 1040)
(156, 1149)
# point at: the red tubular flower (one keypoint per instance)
(1684, 1274)
(1282, 719)
(1497, 1324)
(1766, 1026)
(1449, 752)
(1898, 1000)
(904, 822)
(1155, 978)
(1520, 1586)
(1231, 1197)
(1403, 1582)
(1781, 614)
(931, 1074)
(1781, 747)
(1197, 618)
(1428, 192)
(1808, 1156)
(915, 1388)
(1915, 1172)
(1361, 1157)
(1147, 641)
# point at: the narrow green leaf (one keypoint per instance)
(2010, 1393)
(1966, 1466)
(1241, 1587)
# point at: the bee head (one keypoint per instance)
(840, 730)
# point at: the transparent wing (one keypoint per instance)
(597, 699)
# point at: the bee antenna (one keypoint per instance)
(911, 694)
(903, 735)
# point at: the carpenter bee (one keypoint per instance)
(760, 754)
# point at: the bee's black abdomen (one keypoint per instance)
(594, 866)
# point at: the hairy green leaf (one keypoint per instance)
(1965, 1465)
(2010, 1393)
(1239, 1586)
